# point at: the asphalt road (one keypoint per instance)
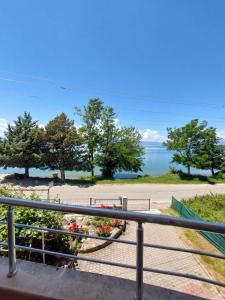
(160, 194)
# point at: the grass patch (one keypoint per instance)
(168, 178)
(209, 207)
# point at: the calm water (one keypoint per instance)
(156, 162)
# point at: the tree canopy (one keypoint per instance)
(196, 145)
(91, 115)
(119, 148)
(23, 144)
(64, 145)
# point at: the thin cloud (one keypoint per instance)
(12, 80)
(3, 126)
(221, 134)
(149, 135)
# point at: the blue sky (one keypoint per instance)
(160, 63)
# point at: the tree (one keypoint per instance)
(185, 142)
(119, 148)
(64, 145)
(22, 145)
(91, 115)
(210, 154)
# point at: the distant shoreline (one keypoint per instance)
(167, 178)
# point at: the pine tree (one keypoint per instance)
(22, 146)
(64, 146)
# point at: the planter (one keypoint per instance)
(92, 245)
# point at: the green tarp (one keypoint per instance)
(216, 239)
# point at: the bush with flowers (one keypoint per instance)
(105, 231)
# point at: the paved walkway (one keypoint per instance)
(154, 258)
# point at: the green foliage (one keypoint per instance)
(108, 146)
(64, 145)
(91, 115)
(210, 154)
(36, 217)
(209, 207)
(178, 177)
(22, 145)
(196, 145)
(99, 221)
(119, 148)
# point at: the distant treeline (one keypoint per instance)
(100, 141)
(61, 145)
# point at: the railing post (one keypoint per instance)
(124, 203)
(149, 203)
(139, 265)
(11, 243)
(90, 201)
(43, 245)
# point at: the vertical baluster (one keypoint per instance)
(11, 243)
(139, 266)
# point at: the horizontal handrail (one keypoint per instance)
(123, 215)
(115, 264)
(120, 241)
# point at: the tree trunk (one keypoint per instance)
(92, 165)
(62, 173)
(26, 172)
(107, 173)
(92, 171)
(212, 170)
(189, 170)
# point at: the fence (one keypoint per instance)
(138, 217)
(218, 240)
(47, 190)
(123, 202)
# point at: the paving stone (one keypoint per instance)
(154, 258)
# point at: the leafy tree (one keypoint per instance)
(185, 142)
(64, 145)
(91, 115)
(23, 144)
(210, 154)
(119, 148)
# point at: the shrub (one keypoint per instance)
(30, 237)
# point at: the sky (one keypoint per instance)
(159, 63)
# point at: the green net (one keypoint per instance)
(216, 239)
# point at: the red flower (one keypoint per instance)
(117, 223)
(104, 206)
(74, 227)
(108, 228)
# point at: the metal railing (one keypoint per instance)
(138, 217)
(123, 201)
(34, 190)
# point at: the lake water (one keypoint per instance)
(156, 162)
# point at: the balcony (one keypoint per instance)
(27, 280)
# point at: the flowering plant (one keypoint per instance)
(117, 223)
(75, 228)
(105, 231)
(104, 206)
